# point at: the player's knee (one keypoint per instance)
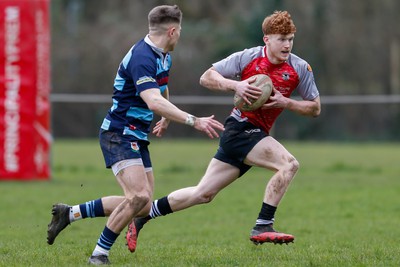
(294, 165)
(204, 197)
(291, 167)
(138, 201)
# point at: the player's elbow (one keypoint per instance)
(316, 112)
(205, 78)
(316, 108)
(155, 106)
(202, 80)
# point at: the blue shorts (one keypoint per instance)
(117, 147)
(236, 141)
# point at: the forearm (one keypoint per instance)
(304, 107)
(165, 94)
(166, 109)
(211, 79)
(161, 106)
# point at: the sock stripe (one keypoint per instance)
(107, 239)
(104, 242)
(160, 207)
(89, 209)
(154, 212)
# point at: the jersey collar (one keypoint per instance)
(264, 54)
(153, 46)
(264, 51)
(164, 57)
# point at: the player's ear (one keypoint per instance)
(171, 31)
(265, 39)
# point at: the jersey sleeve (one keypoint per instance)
(306, 88)
(233, 65)
(143, 71)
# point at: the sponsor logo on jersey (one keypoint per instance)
(252, 131)
(145, 79)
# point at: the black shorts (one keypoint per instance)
(236, 141)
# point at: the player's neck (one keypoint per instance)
(272, 58)
(159, 41)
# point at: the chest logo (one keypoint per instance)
(285, 76)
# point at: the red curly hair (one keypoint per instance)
(280, 22)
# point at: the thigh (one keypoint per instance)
(150, 182)
(237, 140)
(218, 175)
(268, 153)
(133, 180)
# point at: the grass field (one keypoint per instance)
(343, 207)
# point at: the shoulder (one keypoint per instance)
(142, 50)
(300, 65)
(140, 54)
(306, 87)
(247, 54)
(233, 65)
(296, 61)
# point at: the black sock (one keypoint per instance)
(160, 207)
(267, 212)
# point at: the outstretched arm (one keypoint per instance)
(161, 106)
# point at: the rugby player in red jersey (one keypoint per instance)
(246, 142)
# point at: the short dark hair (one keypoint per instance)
(164, 14)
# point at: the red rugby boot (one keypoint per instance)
(266, 234)
(133, 233)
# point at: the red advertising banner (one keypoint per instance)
(25, 137)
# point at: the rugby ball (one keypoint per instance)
(265, 84)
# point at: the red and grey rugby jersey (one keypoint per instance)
(294, 74)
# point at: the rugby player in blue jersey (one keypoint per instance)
(140, 90)
(246, 142)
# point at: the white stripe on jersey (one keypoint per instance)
(237, 115)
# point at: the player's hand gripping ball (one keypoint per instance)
(265, 84)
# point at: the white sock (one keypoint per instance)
(100, 251)
(264, 222)
(75, 213)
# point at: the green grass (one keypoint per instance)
(343, 207)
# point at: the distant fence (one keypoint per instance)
(344, 117)
(226, 100)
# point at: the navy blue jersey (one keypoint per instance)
(143, 67)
